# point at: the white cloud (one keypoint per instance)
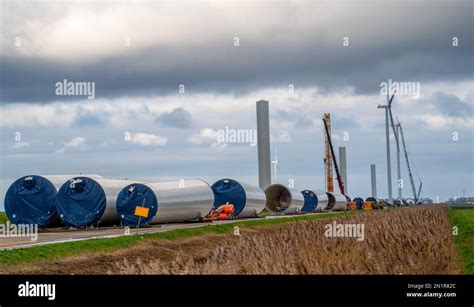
(281, 137)
(77, 143)
(126, 112)
(33, 115)
(108, 142)
(148, 139)
(442, 122)
(206, 136)
(18, 145)
(134, 114)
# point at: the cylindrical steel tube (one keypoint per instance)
(176, 201)
(323, 200)
(310, 201)
(248, 200)
(83, 201)
(337, 202)
(30, 199)
(284, 200)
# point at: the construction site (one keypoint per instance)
(78, 212)
(236, 152)
(92, 201)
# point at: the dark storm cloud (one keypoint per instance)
(398, 40)
(177, 118)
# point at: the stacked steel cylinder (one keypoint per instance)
(82, 201)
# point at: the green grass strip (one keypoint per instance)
(3, 218)
(463, 219)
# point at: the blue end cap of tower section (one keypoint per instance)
(80, 202)
(30, 200)
(310, 201)
(132, 196)
(372, 199)
(359, 203)
(229, 191)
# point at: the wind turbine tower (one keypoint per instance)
(388, 113)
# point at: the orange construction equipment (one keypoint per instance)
(223, 212)
(352, 206)
(368, 205)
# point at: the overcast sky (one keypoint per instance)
(305, 57)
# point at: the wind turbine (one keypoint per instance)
(276, 164)
(388, 113)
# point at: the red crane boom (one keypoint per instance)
(339, 180)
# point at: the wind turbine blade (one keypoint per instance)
(391, 99)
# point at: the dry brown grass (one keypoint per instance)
(413, 240)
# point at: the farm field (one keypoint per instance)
(415, 240)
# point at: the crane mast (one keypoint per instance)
(331, 155)
(328, 156)
(415, 196)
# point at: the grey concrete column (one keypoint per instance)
(263, 139)
(373, 180)
(343, 167)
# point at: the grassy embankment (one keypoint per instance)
(61, 250)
